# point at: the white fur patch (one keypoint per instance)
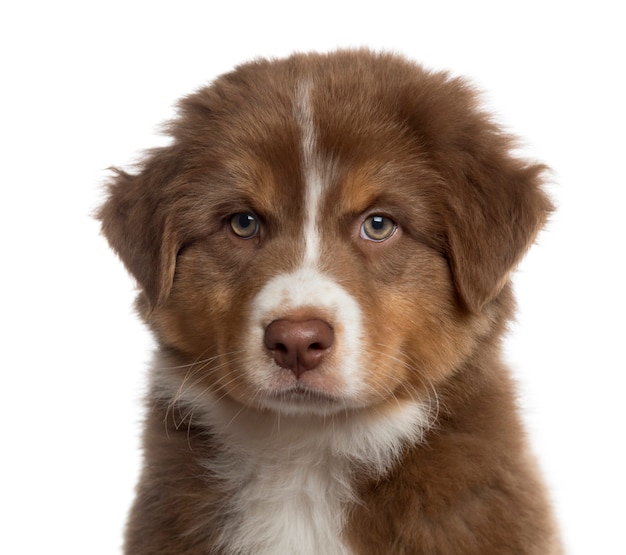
(315, 175)
(307, 288)
(293, 480)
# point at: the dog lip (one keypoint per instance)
(302, 394)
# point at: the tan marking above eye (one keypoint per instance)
(377, 228)
(244, 225)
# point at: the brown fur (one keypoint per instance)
(404, 140)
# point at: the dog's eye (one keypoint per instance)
(377, 228)
(244, 225)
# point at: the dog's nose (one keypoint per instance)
(299, 346)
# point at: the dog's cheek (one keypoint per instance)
(206, 314)
(201, 298)
(421, 335)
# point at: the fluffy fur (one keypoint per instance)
(323, 254)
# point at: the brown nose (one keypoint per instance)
(299, 346)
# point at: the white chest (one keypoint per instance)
(293, 507)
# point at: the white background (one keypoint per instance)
(84, 85)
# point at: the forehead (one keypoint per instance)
(266, 132)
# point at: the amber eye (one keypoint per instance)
(244, 225)
(377, 228)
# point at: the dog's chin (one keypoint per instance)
(300, 400)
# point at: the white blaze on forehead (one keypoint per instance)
(314, 174)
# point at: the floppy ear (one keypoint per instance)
(136, 222)
(497, 208)
(494, 205)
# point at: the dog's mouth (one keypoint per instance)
(302, 398)
(299, 393)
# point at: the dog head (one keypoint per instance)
(326, 232)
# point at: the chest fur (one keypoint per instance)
(286, 506)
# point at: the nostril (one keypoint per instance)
(298, 345)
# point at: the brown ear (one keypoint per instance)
(494, 205)
(497, 208)
(136, 222)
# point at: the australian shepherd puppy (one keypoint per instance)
(324, 254)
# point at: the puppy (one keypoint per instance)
(324, 254)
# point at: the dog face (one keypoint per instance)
(325, 233)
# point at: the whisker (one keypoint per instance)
(432, 397)
(197, 372)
